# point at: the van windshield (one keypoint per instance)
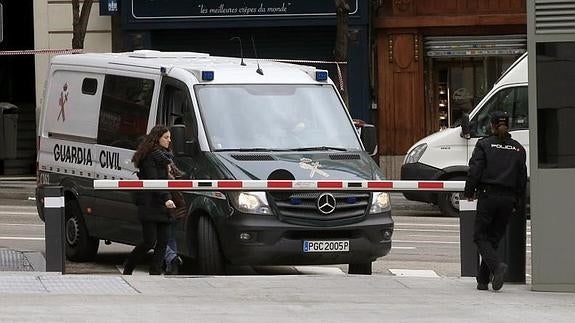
(263, 117)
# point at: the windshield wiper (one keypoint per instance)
(249, 149)
(318, 148)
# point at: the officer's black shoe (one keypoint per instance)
(499, 276)
(481, 286)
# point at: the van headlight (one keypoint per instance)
(251, 202)
(379, 203)
(415, 154)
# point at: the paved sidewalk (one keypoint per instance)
(48, 297)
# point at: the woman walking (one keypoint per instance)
(153, 206)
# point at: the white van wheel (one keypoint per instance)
(449, 202)
(79, 245)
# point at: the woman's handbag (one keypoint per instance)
(177, 197)
(181, 210)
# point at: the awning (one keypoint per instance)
(465, 46)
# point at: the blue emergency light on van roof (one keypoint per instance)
(321, 75)
(207, 75)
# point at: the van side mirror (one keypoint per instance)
(465, 128)
(181, 146)
(368, 137)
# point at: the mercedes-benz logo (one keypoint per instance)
(326, 203)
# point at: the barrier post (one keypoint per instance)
(54, 214)
(512, 247)
(468, 250)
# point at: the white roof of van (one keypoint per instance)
(516, 73)
(226, 69)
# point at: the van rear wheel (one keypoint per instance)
(210, 256)
(80, 246)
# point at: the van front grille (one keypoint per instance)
(302, 207)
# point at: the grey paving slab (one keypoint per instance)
(13, 260)
(295, 298)
(20, 285)
(84, 284)
(59, 284)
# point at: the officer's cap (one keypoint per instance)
(499, 118)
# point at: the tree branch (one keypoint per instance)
(80, 21)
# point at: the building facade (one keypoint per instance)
(299, 30)
(436, 59)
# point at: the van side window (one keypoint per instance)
(124, 110)
(512, 100)
(176, 107)
(89, 86)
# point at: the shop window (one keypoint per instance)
(124, 110)
(460, 83)
(443, 100)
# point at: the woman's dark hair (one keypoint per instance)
(150, 143)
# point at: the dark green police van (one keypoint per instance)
(228, 121)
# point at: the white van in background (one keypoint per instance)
(445, 155)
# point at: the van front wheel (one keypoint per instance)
(210, 257)
(449, 202)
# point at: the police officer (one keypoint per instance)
(498, 178)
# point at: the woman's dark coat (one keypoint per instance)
(151, 204)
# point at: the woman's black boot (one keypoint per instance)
(129, 267)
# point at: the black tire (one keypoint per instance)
(359, 269)
(449, 202)
(210, 257)
(80, 246)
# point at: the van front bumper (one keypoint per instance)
(278, 243)
(419, 171)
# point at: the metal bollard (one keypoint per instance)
(467, 248)
(54, 214)
(511, 247)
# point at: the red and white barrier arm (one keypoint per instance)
(279, 185)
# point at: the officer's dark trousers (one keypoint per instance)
(493, 212)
